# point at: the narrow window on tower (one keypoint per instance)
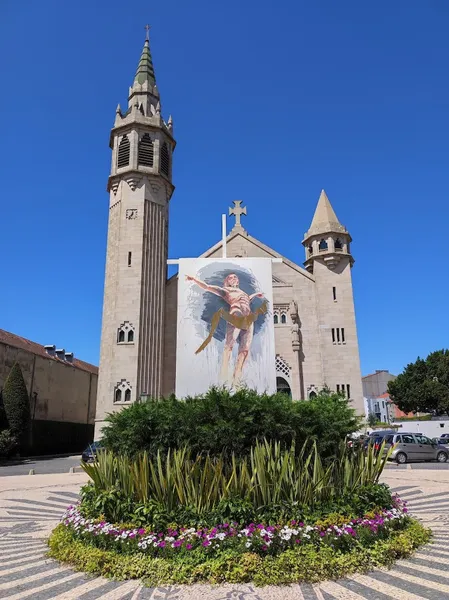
(338, 388)
(165, 160)
(283, 318)
(343, 389)
(130, 336)
(130, 254)
(338, 335)
(123, 152)
(322, 245)
(118, 395)
(276, 319)
(343, 335)
(334, 293)
(333, 335)
(121, 336)
(145, 154)
(348, 390)
(128, 395)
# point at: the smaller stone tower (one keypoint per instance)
(140, 187)
(328, 257)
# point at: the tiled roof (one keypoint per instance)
(19, 342)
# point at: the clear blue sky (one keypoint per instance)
(271, 102)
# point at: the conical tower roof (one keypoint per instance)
(324, 220)
(145, 69)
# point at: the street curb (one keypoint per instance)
(76, 469)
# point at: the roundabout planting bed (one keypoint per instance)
(275, 517)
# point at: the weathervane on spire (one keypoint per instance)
(147, 35)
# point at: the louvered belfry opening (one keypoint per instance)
(123, 152)
(146, 151)
(165, 160)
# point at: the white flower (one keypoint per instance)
(248, 544)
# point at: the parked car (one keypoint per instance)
(442, 440)
(445, 435)
(376, 437)
(90, 453)
(415, 447)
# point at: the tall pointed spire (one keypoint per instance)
(324, 220)
(145, 69)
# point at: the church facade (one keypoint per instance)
(313, 307)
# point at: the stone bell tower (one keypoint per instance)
(140, 187)
(329, 259)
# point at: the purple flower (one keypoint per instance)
(189, 546)
(177, 543)
(162, 544)
(322, 534)
(206, 543)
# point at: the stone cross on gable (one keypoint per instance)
(237, 211)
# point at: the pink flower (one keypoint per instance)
(206, 543)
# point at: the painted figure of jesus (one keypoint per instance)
(239, 322)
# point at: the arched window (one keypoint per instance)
(123, 152)
(122, 391)
(323, 245)
(165, 160)
(276, 319)
(310, 250)
(145, 154)
(125, 333)
(282, 386)
(283, 318)
(338, 245)
(312, 395)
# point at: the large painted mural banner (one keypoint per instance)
(225, 334)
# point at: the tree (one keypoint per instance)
(423, 386)
(372, 419)
(17, 405)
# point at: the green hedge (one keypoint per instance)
(221, 421)
(302, 564)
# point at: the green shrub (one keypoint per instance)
(221, 421)
(302, 564)
(271, 484)
(8, 443)
(17, 406)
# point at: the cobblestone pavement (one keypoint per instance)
(28, 512)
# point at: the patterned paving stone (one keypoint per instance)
(27, 517)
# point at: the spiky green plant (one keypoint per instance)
(269, 476)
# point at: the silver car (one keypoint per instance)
(414, 446)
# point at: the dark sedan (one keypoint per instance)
(90, 453)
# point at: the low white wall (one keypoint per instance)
(429, 428)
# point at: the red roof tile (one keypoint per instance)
(19, 342)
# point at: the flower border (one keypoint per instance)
(259, 538)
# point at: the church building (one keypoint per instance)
(313, 307)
